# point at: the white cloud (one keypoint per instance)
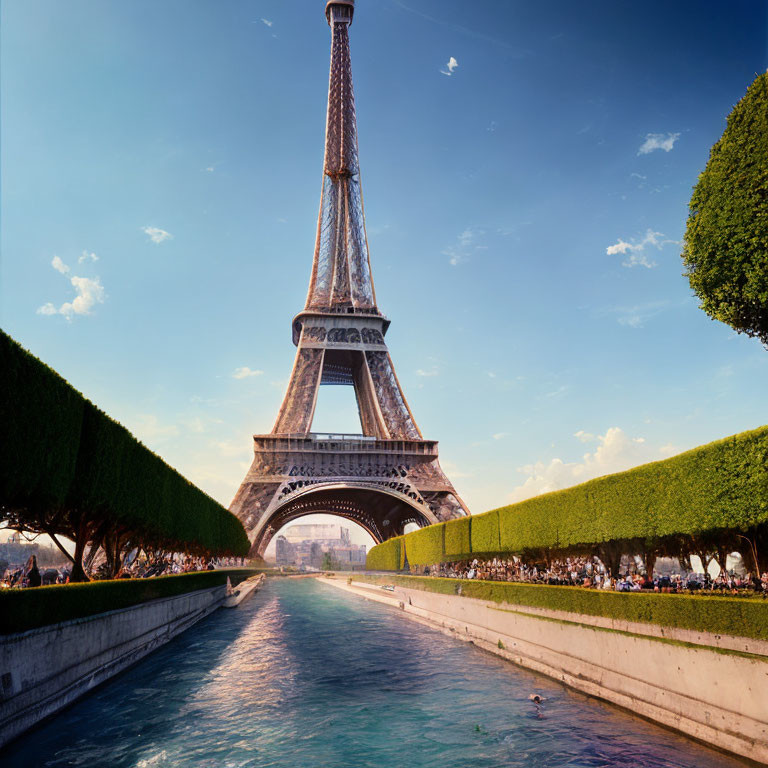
(636, 249)
(500, 435)
(465, 246)
(665, 141)
(59, 265)
(450, 66)
(89, 292)
(584, 437)
(267, 22)
(431, 372)
(157, 235)
(85, 256)
(210, 169)
(245, 372)
(616, 451)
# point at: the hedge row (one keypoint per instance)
(23, 609)
(735, 616)
(716, 487)
(59, 451)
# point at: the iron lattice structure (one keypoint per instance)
(389, 476)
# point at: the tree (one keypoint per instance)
(725, 250)
(329, 563)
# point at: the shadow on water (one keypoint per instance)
(304, 676)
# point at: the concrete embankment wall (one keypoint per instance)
(710, 687)
(43, 670)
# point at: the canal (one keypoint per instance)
(305, 676)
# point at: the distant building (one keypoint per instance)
(285, 552)
(304, 546)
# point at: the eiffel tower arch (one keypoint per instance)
(389, 475)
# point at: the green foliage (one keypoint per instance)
(40, 418)
(715, 488)
(485, 532)
(64, 460)
(726, 239)
(425, 546)
(457, 538)
(23, 609)
(386, 556)
(742, 617)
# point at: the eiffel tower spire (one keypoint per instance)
(341, 270)
(389, 475)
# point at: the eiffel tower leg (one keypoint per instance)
(300, 400)
(394, 407)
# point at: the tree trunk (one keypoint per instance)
(78, 572)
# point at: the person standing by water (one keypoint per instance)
(31, 573)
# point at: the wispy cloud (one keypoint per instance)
(635, 316)
(635, 251)
(465, 246)
(59, 265)
(500, 435)
(267, 22)
(148, 428)
(449, 67)
(157, 235)
(615, 451)
(654, 141)
(427, 373)
(85, 256)
(89, 292)
(245, 373)
(513, 50)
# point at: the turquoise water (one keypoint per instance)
(306, 676)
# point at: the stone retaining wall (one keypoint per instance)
(43, 670)
(714, 695)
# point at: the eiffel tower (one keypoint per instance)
(388, 476)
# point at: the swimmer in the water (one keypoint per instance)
(536, 699)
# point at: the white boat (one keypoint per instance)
(243, 590)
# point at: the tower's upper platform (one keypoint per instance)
(341, 278)
(339, 10)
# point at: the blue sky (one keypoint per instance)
(526, 170)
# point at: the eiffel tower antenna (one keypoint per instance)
(389, 475)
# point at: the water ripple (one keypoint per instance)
(305, 677)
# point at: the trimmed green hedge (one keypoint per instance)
(457, 538)
(386, 556)
(60, 452)
(716, 487)
(485, 532)
(424, 546)
(23, 609)
(40, 421)
(735, 616)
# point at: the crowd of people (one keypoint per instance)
(591, 573)
(30, 575)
